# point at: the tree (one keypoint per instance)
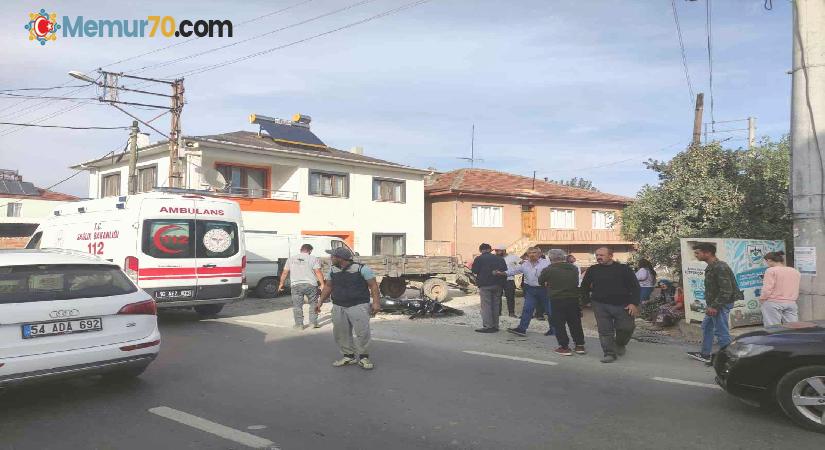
(708, 191)
(577, 182)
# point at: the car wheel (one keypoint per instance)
(801, 395)
(208, 310)
(124, 374)
(267, 288)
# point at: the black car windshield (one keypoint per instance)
(37, 283)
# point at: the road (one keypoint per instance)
(248, 380)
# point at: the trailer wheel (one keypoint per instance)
(435, 289)
(393, 287)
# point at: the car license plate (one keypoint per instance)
(175, 293)
(34, 330)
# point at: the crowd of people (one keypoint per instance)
(555, 289)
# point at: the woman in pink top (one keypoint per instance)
(779, 291)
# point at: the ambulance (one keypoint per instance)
(185, 250)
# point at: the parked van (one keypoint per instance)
(184, 250)
(267, 252)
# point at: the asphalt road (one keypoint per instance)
(259, 383)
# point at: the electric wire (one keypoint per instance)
(709, 32)
(67, 127)
(682, 47)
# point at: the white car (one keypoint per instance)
(65, 313)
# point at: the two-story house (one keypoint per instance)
(288, 181)
(466, 207)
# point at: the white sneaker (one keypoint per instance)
(365, 363)
(345, 361)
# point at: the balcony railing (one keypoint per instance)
(236, 192)
(580, 236)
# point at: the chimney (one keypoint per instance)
(142, 139)
(357, 150)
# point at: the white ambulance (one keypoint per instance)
(185, 250)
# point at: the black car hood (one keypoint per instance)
(814, 327)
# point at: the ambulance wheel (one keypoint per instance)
(267, 288)
(208, 310)
(435, 289)
(393, 287)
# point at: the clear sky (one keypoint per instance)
(586, 88)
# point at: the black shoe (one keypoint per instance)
(621, 350)
(609, 359)
(698, 356)
(487, 330)
(517, 332)
(513, 315)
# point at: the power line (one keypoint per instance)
(43, 118)
(257, 36)
(225, 63)
(709, 32)
(11, 96)
(682, 47)
(67, 127)
(613, 163)
(39, 88)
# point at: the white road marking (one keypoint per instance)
(687, 383)
(263, 324)
(256, 427)
(513, 358)
(393, 341)
(231, 434)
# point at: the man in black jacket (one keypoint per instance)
(489, 286)
(614, 291)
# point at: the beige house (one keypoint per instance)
(466, 207)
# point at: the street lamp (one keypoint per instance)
(82, 76)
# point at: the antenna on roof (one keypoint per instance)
(472, 159)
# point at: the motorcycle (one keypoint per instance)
(418, 307)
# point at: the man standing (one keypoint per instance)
(721, 292)
(512, 261)
(562, 281)
(351, 286)
(614, 291)
(486, 267)
(534, 292)
(304, 273)
(572, 260)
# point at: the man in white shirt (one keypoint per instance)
(509, 291)
(304, 272)
(534, 293)
(572, 260)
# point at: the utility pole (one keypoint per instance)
(175, 176)
(697, 119)
(133, 158)
(807, 118)
(751, 132)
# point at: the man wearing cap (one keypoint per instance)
(351, 285)
(304, 273)
(509, 292)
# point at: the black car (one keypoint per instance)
(782, 365)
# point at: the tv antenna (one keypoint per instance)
(472, 159)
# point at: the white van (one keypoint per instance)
(184, 250)
(267, 251)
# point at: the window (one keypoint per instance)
(34, 242)
(216, 239)
(37, 283)
(603, 220)
(176, 238)
(388, 190)
(329, 184)
(487, 216)
(147, 178)
(389, 244)
(563, 218)
(110, 185)
(13, 209)
(244, 181)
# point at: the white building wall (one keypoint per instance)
(122, 167)
(29, 209)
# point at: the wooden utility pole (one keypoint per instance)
(697, 119)
(133, 158)
(175, 176)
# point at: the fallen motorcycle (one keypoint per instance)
(418, 307)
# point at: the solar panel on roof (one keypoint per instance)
(14, 187)
(286, 132)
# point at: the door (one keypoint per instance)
(219, 251)
(528, 221)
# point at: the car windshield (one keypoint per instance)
(37, 283)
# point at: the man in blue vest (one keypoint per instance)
(351, 286)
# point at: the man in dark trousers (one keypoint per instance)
(613, 289)
(485, 267)
(562, 281)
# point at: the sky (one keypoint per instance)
(565, 88)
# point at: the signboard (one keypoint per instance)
(805, 260)
(746, 258)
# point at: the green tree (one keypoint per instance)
(577, 182)
(709, 191)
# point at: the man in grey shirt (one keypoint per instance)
(304, 272)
